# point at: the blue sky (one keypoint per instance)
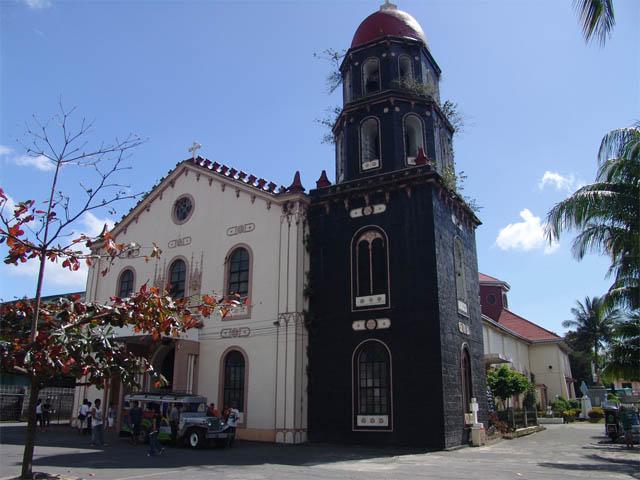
(241, 79)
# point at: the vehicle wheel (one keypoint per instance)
(195, 438)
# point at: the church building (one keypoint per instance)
(361, 319)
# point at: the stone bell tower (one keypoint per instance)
(395, 335)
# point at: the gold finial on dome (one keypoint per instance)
(387, 5)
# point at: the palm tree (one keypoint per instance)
(623, 357)
(596, 17)
(607, 214)
(593, 322)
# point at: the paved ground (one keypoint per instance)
(574, 451)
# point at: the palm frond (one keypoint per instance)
(596, 17)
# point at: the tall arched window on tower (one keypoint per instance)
(370, 267)
(177, 278)
(413, 138)
(405, 68)
(340, 157)
(370, 144)
(372, 386)
(461, 285)
(125, 283)
(467, 384)
(371, 76)
(234, 376)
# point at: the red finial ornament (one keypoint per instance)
(323, 181)
(421, 159)
(296, 186)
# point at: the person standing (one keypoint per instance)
(174, 420)
(232, 421)
(97, 432)
(212, 411)
(135, 420)
(87, 429)
(111, 416)
(82, 416)
(39, 416)
(46, 413)
(154, 431)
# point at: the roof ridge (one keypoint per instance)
(225, 171)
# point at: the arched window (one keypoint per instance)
(125, 283)
(177, 278)
(370, 144)
(372, 386)
(413, 138)
(461, 285)
(233, 390)
(405, 68)
(371, 76)
(467, 385)
(340, 157)
(370, 260)
(239, 269)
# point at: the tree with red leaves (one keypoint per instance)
(69, 336)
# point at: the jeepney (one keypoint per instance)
(195, 429)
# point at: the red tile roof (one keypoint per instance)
(525, 328)
(486, 278)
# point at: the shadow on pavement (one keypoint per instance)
(604, 464)
(120, 454)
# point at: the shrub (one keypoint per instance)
(574, 403)
(596, 414)
(499, 425)
(559, 405)
(568, 416)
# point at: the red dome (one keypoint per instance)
(388, 21)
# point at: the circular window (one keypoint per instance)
(182, 209)
(491, 299)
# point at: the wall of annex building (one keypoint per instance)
(514, 349)
(544, 356)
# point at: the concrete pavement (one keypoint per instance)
(574, 451)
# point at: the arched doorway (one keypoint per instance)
(163, 363)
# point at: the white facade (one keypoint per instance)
(228, 212)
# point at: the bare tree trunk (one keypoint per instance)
(30, 440)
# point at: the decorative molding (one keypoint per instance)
(235, 332)
(179, 242)
(368, 210)
(238, 229)
(464, 328)
(371, 324)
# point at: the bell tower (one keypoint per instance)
(390, 100)
(395, 335)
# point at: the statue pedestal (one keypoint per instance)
(478, 435)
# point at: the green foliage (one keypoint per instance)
(334, 57)
(415, 87)
(596, 18)
(506, 382)
(596, 413)
(580, 357)
(328, 121)
(454, 116)
(593, 321)
(529, 400)
(606, 215)
(570, 414)
(623, 356)
(559, 405)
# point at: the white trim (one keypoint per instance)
(362, 79)
(404, 137)
(355, 236)
(379, 160)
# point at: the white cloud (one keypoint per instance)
(37, 4)
(526, 235)
(4, 150)
(567, 183)
(94, 225)
(40, 162)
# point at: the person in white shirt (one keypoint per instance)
(97, 431)
(82, 416)
(39, 417)
(232, 421)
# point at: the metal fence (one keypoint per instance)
(519, 418)
(14, 402)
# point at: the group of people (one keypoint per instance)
(91, 419)
(43, 414)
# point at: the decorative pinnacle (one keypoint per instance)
(387, 5)
(296, 186)
(323, 181)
